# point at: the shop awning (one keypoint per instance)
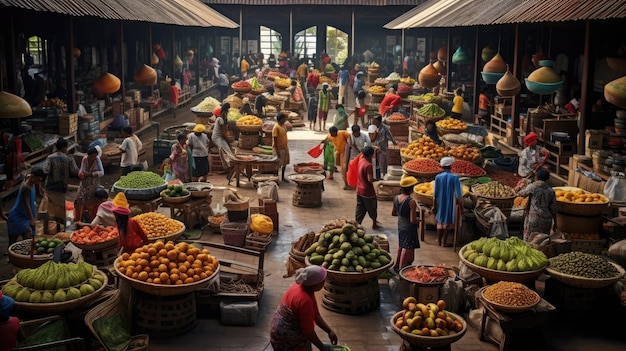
(465, 13)
(192, 13)
(317, 2)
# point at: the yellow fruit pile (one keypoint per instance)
(452, 123)
(324, 79)
(249, 120)
(465, 152)
(377, 89)
(579, 196)
(282, 82)
(407, 81)
(428, 188)
(429, 320)
(168, 264)
(157, 225)
(424, 147)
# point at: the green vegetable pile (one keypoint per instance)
(175, 190)
(431, 110)
(512, 255)
(139, 180)
(583, 265)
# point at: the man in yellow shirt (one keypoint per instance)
(339, 138)
(457, 104)
(280, 142)
(303, 73)
(244, 66)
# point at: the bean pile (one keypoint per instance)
(22, 247)
(139, 180)
(583, 265)
(510, 294)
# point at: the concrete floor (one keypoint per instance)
(370, 331)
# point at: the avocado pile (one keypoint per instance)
(175, 190)
(347, 249)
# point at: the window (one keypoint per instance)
(336, 44)
(306, 42)
(36, 47)
(271, 41)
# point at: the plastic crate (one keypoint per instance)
(242, 313)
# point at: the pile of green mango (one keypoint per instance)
(54, 282)
(511, 255)
(347, 249)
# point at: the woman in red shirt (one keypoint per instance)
(293, 324)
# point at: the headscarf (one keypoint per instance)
(446, 161)
(310, 275)
(530, 138)
(120, 204)
(6, 305)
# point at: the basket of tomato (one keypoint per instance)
(241, 86)
(96, 238)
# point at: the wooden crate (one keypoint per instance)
(68, 123)
(255, 241)
(589, 246)
(134, 94)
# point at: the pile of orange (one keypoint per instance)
(465, 152)
(168, 263)
(424, 147)
(158, 225)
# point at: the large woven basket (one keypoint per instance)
(107, 308)
(580, 208)
(59, 307)
(424, 199)
(421, 175)
(241, 90)
(165, 290)
(423, 341)
(431, 118)
(493, 275)
(510, 309)
(376, 98)
(24, 261)
(176, 199)
(249, 128)
(586, 283)
(353, 277)
(444, 131)
(505, 204)
(97, 246)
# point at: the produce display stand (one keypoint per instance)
(492, 275)
(420, 342)
(244, 166)
(510, 323)
(191, 211)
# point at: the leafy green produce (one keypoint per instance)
(431, 110)
(140, 180)
(112, 331)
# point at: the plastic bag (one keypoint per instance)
(353, 171)
(499, 228)
(168, 175)
(615, 187)
(453, 294)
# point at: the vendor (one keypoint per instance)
(431, 131)
(10, 330)
(540, 213)
(104, 214)
(390, 101)
(21, 218)
(132, 235)
(532, 157)
(293, 324)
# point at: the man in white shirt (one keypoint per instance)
(130, 150)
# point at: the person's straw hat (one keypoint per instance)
(408, 182)
(199, 128)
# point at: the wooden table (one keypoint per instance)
(511, 323)
(146, 205)
(190, 212)
(245, 167)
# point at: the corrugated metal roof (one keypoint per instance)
(463, 13)
(177, 12)
(318, 2)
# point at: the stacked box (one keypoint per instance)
(134, 94)
(117, 108)
(68, 123)
(96, 109)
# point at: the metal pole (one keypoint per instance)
(240, 32)
(352, 37)
(402, 58)
(291, 31)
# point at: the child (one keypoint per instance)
(312, 112)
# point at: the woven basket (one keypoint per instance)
(444, 131)
(281, 85)
(249, 128)
(257, 91)
(234, 233)
(586, 283)
(24, 261)
(422, 175)
(94, 247)
(241, 90)
(166, 290)
(505, 204)
(107, 308)
(397, 122)
(353, 277)
(432, 118)
(510, 309)
(424, 199)
(59, 307)
(493, 275)
(176, 200)
(171, 237)
(376, 98)
(422, 341)
(580, 209)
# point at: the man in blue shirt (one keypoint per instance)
(447, 195)
(344, 77)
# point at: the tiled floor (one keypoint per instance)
(370, 331)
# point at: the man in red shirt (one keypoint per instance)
(10, 330)
(365, 194)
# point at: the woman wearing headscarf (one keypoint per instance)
(293, 324)
(91, 170)
(405, 208)
(180, 158)
(540, 214)
(132, 235)
(104, 215)
(531, 157)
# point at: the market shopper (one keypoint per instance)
(448, 196)
(280, 144)
(457, 104)
(343, 78)
(297, 314)
(405, 207)
(198, 143)
(312, 111)
(381, 138)
(220, 131)
(22, 217)
(91, 170)
(223, 84)
(10, 330)
(131, 235)
(58, 168)
(531, 157)
(366, 202)
(130, 150)
(390, 102)
(339, 139)
(180, 157)
(540, 211)
(323, 104)
(341, 118)
(104, 214)
(483, 106)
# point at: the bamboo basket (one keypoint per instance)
(241, 90)
(165, 290)
(249, 128)
(444, 131)
(510, 309)
(586, 283)
(176, 200)
(59, 307)
(24, 261)
(431, 118)
(492, 275)
(424, 199)
(376, 98)
(580, 209)
(354, 277)
(423, 341)
(94, 247)
(109, 307)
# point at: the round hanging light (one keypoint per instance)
(13, 106)
(106, 84)
(146, 76)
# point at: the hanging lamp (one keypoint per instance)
(494, 69)
(145, 76)
(107, 83)
(508, 85)
(461, 57)
(13, 106)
